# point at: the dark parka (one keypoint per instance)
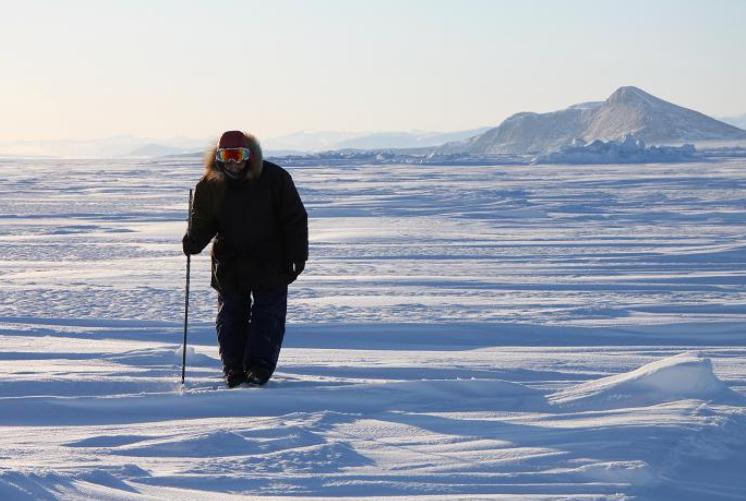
(259, 224)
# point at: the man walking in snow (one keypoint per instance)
(253, 210)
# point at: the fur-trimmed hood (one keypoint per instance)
(214, 173)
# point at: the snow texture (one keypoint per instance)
(474, 332)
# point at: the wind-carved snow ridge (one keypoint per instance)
(688, 375)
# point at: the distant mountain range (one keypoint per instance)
(328, 141)
(107, 147)
(299, 142)
(628, 110)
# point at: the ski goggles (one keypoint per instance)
(232, 154)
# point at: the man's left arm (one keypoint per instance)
(294, 225)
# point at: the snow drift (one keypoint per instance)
(685, 376)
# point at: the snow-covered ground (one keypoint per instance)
(532, 332)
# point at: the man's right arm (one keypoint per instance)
(204, 226)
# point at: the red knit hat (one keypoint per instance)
(233, 139)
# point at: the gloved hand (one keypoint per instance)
(186, 244)
(295, 268)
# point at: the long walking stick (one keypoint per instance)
(186, 296)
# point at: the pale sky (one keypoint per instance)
(91, 69)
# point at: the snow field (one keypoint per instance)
(546, 332)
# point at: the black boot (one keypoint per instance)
(258, 375)
(234, 377)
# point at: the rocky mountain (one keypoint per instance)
(628, 110)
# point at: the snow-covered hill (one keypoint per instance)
(628, 110)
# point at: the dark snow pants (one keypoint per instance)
(251, 327)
